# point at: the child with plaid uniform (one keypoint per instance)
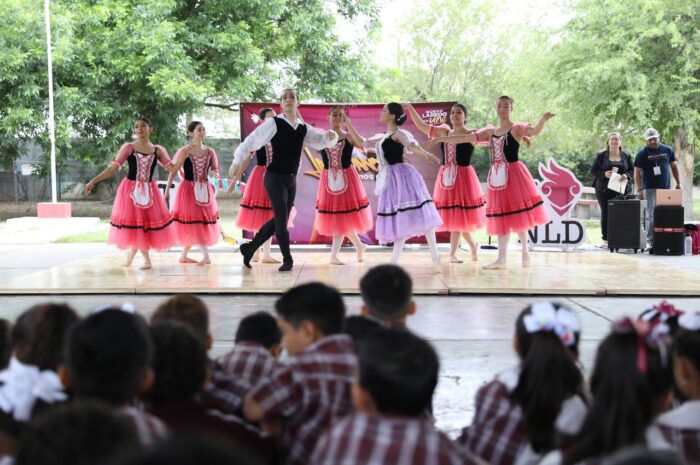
(396, 377)
(312, 390)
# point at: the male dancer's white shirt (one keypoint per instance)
(264, 133)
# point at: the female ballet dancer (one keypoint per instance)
(342, 206)
(457, 194)
(512, 201)
(195, 214)
(287, 134)
(256, 209)
(140, 217)
(405, 207)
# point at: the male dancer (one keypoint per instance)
(287, 134)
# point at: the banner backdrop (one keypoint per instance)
(365, 119)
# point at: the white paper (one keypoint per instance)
(617, 184)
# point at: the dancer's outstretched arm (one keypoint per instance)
(111, 170)
(540, 125)
(417, 120)
(410, 143)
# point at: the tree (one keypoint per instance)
(114, 59)
(626, 72)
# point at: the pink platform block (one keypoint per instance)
(53, 210)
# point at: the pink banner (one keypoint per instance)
(365, 118)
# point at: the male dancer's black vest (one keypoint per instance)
(286, 147)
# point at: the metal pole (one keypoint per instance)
(52, 132)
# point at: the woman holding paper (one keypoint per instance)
(611, 163)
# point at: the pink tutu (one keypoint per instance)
(195, 224)
(517, 207)
(343, 213)
(140, 228)
(256, 208)
(461, 207)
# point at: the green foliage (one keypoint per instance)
(114, 59)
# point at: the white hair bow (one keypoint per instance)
(545, 317)
(24, 385)
(690, 321)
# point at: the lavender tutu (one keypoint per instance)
(405, 208)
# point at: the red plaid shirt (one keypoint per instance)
(495, 434)
(149, 429)
(249, 363)
(375, 439)
(309, 393)
(681, 428)
(224, 391)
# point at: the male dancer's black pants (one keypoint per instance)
(282, 189)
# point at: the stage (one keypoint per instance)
(96, 269)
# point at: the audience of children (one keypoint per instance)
(108, 389)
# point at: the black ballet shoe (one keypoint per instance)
(247, 252)
(286, 266)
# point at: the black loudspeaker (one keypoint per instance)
(668, 216)
(669, 243)
(625, 224)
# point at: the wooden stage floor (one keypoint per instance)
(592, 273)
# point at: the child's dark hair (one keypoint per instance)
(548, 375)
(80, 433)
(107, 355)
(263, 113)
(193, 125)
(39, 334)
(399, 370)
(187, 309)
(260, 327)
(179, 364)
(686, 342)
(187, 449)
(358, 327)
(396, 109)
(5, 343)
(322, 305)
(505, 97)
(387, 291)
(334, 107)
(632, 375)
(461, 107)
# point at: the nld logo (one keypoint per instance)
(560, 191)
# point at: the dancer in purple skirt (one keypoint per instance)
(405, 208)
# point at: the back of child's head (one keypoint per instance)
(39, 334)
(260, 327)
(5, 342)
(399, 370)
(179, 364)
(662, 313)
(107, 356)
(74, 434)
(686, 344)
(186, 309)
(188, 449)
(631, 379)
(358, 327)
(314, 302)
(387, 292)
(547, 336)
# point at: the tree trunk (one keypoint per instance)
(685, 157)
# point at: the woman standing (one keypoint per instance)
(195, 215)
(342, 206)
(512, 201)
(140, 216)
(256, 209)
(457, 194)
(405, 208)
(611, 160)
